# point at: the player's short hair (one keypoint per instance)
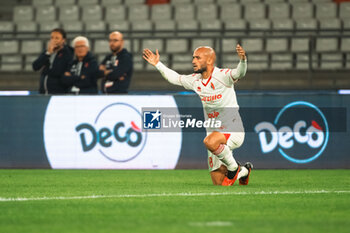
(61, 31)
(81, 38)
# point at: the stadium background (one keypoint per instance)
(298, 50)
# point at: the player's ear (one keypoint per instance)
(210, 61)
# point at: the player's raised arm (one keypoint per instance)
(150, 57)
(153, 59)
(240, 52)
(242, 66)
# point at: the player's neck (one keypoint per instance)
(206, 74)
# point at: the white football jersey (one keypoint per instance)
(217, 95)
(216, 92)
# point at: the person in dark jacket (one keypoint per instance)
(82, 74)
(53, 62)
(117, 67)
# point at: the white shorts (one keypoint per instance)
(234, 140)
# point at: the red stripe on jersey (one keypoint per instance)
(212, 86)
(233, 79)
(221, 82)
(227, 71)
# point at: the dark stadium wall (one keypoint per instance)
(276, 127)
(193, 152)
(328, 112)
(21, 134)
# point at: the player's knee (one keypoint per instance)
(206, 141)
(211, 143)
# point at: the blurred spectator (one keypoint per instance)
(81, 75)
(53, 62)
(117, 67)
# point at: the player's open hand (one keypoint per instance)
(149, 56)
(240, 52)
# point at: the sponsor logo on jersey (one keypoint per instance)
(214, 114)
(211, 98)
(299, 132)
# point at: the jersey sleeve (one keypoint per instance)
(174, 78)
(187, 81)
(233, 75)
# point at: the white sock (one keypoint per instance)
(225, 155)
(243, 172)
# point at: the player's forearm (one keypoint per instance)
(170, 75)
(241, 69)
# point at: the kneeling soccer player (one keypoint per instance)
(215, 87)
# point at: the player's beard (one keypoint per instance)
(200, 70)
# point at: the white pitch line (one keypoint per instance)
(211, 224)
(15, 199)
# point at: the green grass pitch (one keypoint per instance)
(173, 201)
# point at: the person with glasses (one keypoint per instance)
(117, 67)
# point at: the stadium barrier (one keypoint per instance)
(303, 130)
